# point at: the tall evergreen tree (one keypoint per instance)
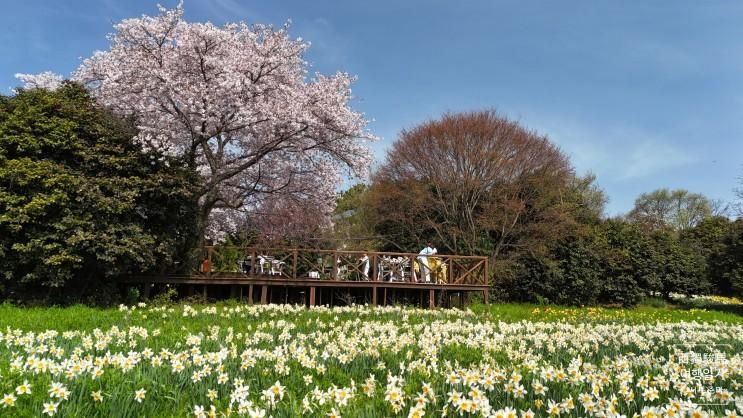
(80, 202)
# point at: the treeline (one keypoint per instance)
(477, 183)
(82, 204)
(615, 261)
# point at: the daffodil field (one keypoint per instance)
(360, 361)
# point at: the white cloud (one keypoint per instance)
(328, 46)
(651, 156)
(672, 60)
(614, 153)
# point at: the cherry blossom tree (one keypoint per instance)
(236, 103)
(46, 80)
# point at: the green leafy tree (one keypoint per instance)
(710, 240)
(611, 263)
(80, 203)
(587, 198)
(677, 268)
(567, 276)
(623, 260)
(727, 264)
(676, 209)
(354, 220)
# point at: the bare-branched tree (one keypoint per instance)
(477, 183)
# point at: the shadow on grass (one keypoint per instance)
(712, 306)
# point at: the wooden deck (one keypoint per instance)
(374, 275)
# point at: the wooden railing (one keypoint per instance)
(340, 265)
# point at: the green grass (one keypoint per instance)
(639, 315)
(88, 318)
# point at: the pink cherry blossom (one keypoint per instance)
(46, 80)
(235, 102)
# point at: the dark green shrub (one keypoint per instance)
(81, 203)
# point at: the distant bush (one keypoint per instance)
(654, 301)
(167, 296)
(615, 263)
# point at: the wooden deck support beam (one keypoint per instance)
(250, 294)
(486, 292)
(264, 295)
(431, 299)
(374, 296)
(312, 295)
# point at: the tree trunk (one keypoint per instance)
(205, 209)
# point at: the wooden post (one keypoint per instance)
(487, 282)
(334, 271)
(209, 257)
(254, 260)
(374, 295)
(264, 295)
(146, 293)
(431, 299)
(385, 297)
(312, 296)
(233, 291)
(294, 264)
(374, 267)
(451, 271)
(250, 294)
(487, 273)
(204, 292)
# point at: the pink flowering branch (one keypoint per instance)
(234, 102)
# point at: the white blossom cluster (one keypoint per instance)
(46, 80)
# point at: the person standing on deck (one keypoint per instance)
(423, 261)
(365, 266)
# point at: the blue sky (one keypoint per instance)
(645, 94)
